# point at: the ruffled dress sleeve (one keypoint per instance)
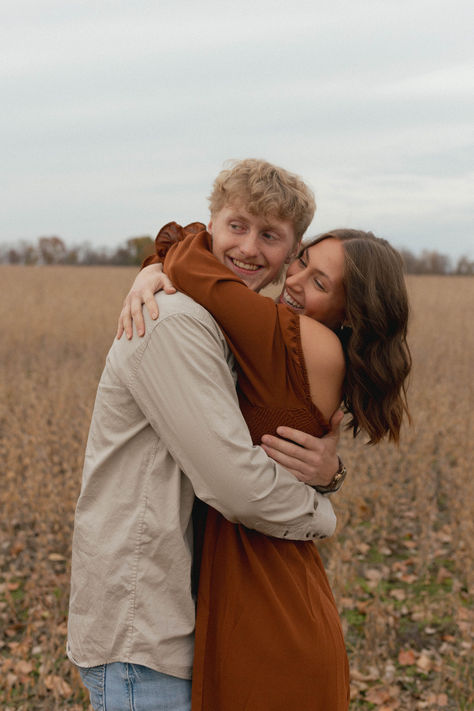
(170, 234)
(263, 336)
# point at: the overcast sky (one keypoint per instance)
(117, 116)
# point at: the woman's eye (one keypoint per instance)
(319, 284)
(301, 261)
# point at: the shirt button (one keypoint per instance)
(286, 533)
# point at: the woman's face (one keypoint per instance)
(314, 283)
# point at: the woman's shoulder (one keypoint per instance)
(321, 340)
(325, 364)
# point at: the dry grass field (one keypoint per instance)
(400, 564)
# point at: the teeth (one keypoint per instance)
(291, 301)
(245, 265)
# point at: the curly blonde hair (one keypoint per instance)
(264, 189)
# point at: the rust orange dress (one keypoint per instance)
(268, 634)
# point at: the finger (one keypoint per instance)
(168, 287)
(293, 464)
(284, 446)
(127, 321)
(137, 314)
(150, 302)
(301, 438)
(119, 328)
(335, 424)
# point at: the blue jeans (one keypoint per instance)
(132, 687)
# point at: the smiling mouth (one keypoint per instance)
(245, 266)
(285, 298)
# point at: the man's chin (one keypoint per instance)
(253, 285)
(255, 280)
(258, 282)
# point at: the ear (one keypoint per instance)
(209, 227)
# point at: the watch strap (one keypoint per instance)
(336, 482)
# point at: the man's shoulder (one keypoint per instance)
(182, 323)
(178, 303)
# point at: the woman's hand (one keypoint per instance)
(310, 459)
(150, 280)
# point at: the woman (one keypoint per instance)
(268, 634)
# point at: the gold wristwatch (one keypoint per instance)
(336, 481)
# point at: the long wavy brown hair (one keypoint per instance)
(374, 334)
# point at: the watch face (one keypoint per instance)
(336, 482)
(338, 478)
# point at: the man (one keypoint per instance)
(166, 427)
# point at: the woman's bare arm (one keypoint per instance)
(325, 365)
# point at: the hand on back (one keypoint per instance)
(147, 283)
(312, 460)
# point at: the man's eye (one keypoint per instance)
(269, 236)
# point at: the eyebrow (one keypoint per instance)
(318, 271)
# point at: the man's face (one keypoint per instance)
(254, 248)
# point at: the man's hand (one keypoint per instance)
(310, 459)
(150, 280)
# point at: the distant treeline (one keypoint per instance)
(53, 250)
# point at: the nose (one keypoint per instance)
(248, 244)
(295, 280)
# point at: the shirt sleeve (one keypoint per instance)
(183, 385)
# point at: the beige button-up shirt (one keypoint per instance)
(166, 426)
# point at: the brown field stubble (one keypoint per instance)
(400, 563)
